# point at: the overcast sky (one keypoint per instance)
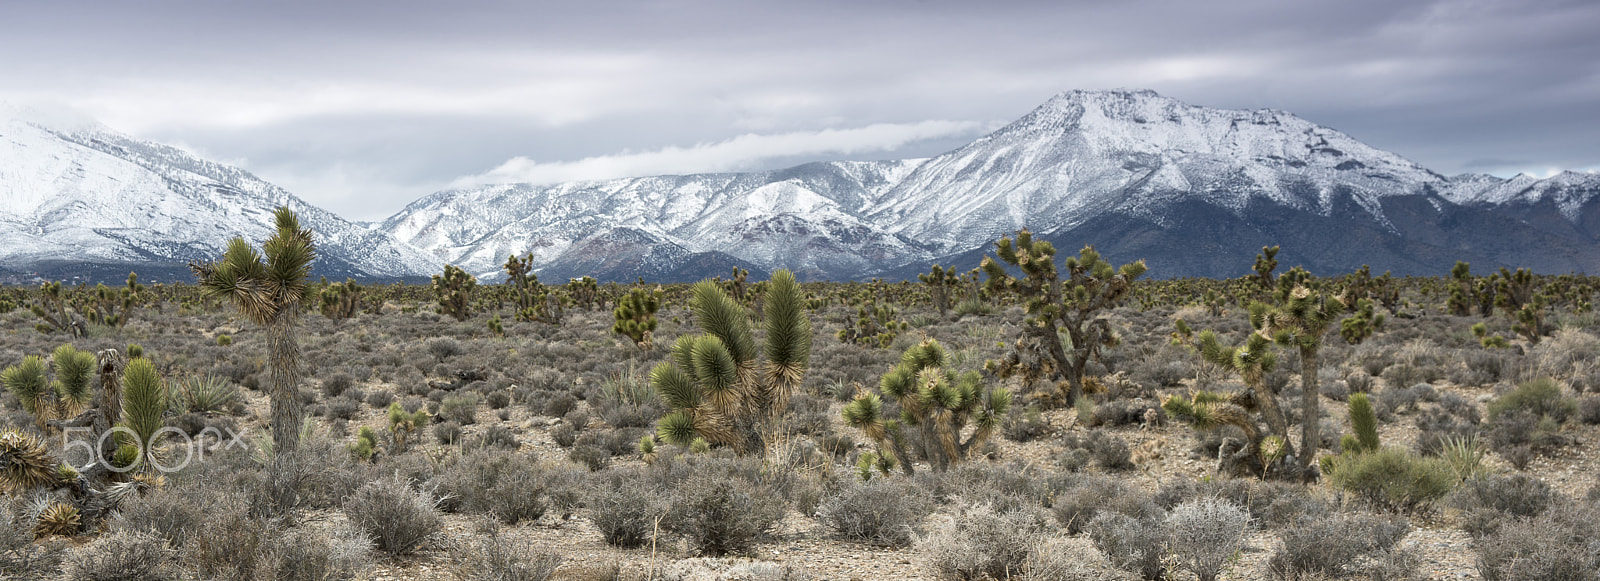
(361, 107)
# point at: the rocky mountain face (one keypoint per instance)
(1193, 190)
(82, 200)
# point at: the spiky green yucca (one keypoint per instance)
(25, 463)
(936, 400)
(49, 399)
(144, 398)
(1364, 423)
(716, 384)
(269, 287)
(1300, 319)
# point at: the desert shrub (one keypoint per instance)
(338, 553)
(1519, 436)
(1396, 399)
(1024, 425)
(1540, 397)
(336, 384)
(1269, 503)
(462, 409)
(591, 456)
(1488, 501)
(837, 445)
(564, 435)
(1335, 547)
(121, 556)
(342, 408)
(397, 515)
(1077, 503)
(1337, 390)
(1558, 545)
(1589, 409)
(19, 555)
(229, 543)
(1358, 382)
(1437, 427)
(1108, 450)
(719, 515)
(443, 348)
(1136, 545)
(509, 486)
(1204, 534)
(380, 399)
(1393, 479)
(625, 509)
(496, 558)
(560, 405)
(881, 512)
(979, 541)
(1119, 412)
(499, 437)
(1406, 374)
(447, 433)
(498, 399)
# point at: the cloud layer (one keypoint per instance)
(740, 153)
(362, 106)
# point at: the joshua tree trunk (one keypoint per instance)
(1310, 407)
(284, 350)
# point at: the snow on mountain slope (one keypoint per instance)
(1135, 152)
(805, 216)
(1570, 191)
(82, 193)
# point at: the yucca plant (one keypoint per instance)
(933, 398)
(454, 291)
(25, 463)
(269, 287)
(144, 398)
(203, 394)
(403, 424)
(715, 383)
(636, 317)
(57, 519)
(49, 399)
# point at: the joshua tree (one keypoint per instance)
(636, 316)
(535, 301)
(268, 287)
(340, 300)
(1461, 296)
(941, 284)
(49, 399)
(454, 291)
(935, 400)
(715, 384)
(52, 309)
(1075, 306)
(1301, 319)
(1265, 263)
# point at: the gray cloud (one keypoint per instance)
(364, 106)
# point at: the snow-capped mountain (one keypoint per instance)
(1195, 190)
(83, 200)
(809, 218)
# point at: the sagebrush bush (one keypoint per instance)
(510, 486)
(447, 433)
(496, 558)
(338, 553)
(1108, 450)
(1204, 534)
(625, 510)
(1136, 545)
(399, 516)
(336, 384)
(1558, 545)
(979, 541)
(1488, 501)
(1334, 547)
(881, 512)
(719, 515)
(461, 409)
(1081, 501)
(121, 556)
